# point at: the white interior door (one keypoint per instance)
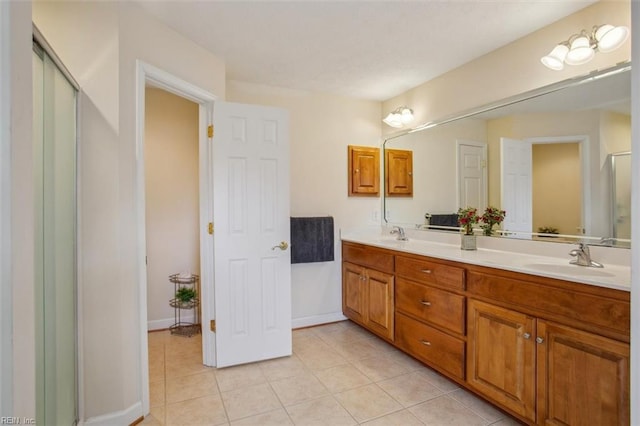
(516, 172)
(251, 219)
(472, 174)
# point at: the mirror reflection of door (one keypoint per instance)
(472, 174)
(516, 172)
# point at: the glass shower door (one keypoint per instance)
(54, 149)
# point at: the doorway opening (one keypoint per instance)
(171, 208)
(150, 76)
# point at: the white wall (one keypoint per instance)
(171, 199)
(322, 126)
(6, 309)
(22, 208)
(635, 227)
(434, 170)
(100, 43)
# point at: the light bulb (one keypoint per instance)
(609, 38)
(555, 59)
(406, 116)
(580, 52)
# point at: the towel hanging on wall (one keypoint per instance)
(312, 239)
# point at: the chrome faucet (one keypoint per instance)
(607, 241)
(400, 231)
(583, 257)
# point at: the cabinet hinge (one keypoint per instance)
(212, 325)
(210, 131)
(210, 228)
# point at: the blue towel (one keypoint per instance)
(312, 239)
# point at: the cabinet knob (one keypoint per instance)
(425, 342)
(362, 278)
(539, 340)
(426, 271)
(526, 336)
(425, 303)
(356, 171)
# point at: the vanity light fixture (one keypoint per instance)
(581, 48)
(399, 117)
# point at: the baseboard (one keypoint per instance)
(123, 417)
(163, 324)
(317, 320)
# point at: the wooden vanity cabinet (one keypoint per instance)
(547, 372)
(368, 293)
(548, 351)
(583, 378)
(501, 356)
(430, 317)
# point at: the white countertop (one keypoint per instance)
(612, 275)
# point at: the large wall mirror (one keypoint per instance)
(557, 160)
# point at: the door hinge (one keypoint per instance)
(210, 131)
(210, 228)
(213, 325)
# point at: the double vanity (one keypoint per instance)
(544, 340)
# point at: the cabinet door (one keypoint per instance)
(501, 356)
(364, 171)
(354, 292)
(583, 379)
(398, 167)
(380, 304)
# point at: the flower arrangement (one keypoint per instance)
(467, 218)
(491, 216)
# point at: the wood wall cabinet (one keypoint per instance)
(398, 171)
(364, 171)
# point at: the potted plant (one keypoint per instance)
(185, 296)
(466, 219)
(491, 216)
(550, 231)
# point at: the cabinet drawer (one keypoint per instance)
(426, 271)
(436, 306)
(432, 346)
(368, 256)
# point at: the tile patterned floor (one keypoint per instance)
(339, 374)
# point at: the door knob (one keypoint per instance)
(282, 246)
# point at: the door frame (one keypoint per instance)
(146, 73)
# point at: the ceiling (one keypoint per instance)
(364, 49)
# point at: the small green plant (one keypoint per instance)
(185, 294)
(548, 230)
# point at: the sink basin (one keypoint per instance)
(390, 240)
(569, 269)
